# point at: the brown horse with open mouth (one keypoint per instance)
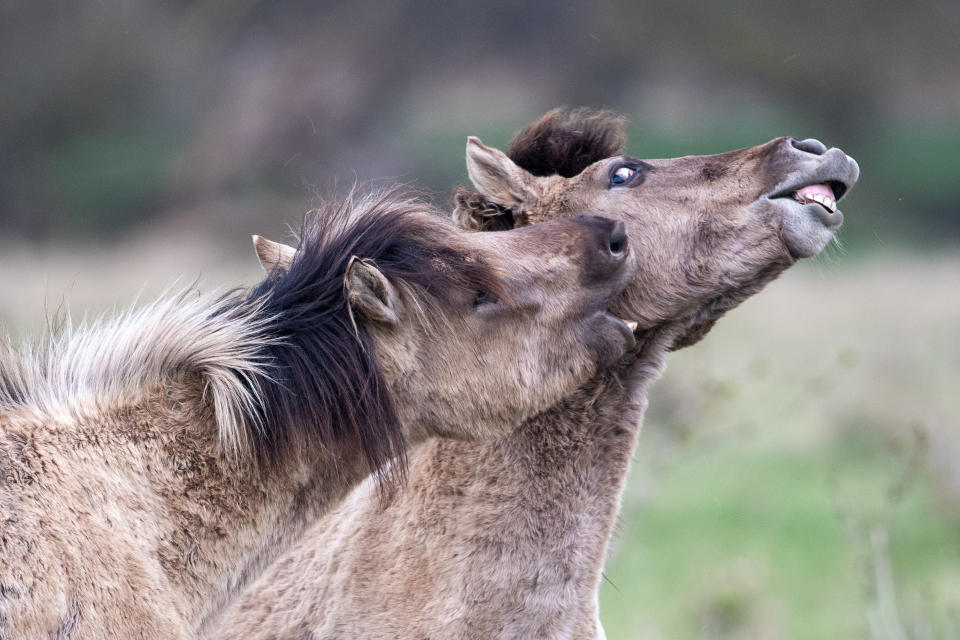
(506, 539)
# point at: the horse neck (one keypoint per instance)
(547, 497)
(517, 524)
(570, 466)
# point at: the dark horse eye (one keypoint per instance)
(622, 176)
(484, 298)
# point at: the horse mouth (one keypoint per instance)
(610, 339)
(627, 329)
(808, 201)
(822, 198)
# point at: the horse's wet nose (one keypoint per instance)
(810, 145)
(609, 249)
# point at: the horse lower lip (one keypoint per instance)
(630, 341)
(829, 219)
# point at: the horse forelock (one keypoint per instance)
(566, 141)
(324, 382)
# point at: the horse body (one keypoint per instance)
(152, 465)
(81, 536)
(126, 520)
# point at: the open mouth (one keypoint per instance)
(810, 196)
(822, 185)
(826, 194)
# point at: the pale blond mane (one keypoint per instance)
(115, 359)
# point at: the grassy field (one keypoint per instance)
(799, 471)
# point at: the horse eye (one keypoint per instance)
(622, 176)
(484, 298)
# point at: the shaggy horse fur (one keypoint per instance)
(267, 354)
(506, 539)
(152, 464)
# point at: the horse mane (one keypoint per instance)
(283, 362)
(562, 142)
(115, 358)
(566, 141)
(326, 382)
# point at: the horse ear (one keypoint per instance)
(370, 294)
(498, 178)
(272, 254)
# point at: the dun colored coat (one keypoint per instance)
(152, 465)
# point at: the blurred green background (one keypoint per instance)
(798, 474)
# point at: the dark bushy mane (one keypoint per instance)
(325, 385)
(566, 141)
(562, 142)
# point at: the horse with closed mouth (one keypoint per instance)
(152, 464)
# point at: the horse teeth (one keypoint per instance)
(825, 201)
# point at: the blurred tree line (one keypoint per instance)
(122, 113)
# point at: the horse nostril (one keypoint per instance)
(810, 145)
(606, 249)
(618, 239)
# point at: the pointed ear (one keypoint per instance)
(497, 177)
(370, 294)
(272, 254)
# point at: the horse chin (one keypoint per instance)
(807, 228)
